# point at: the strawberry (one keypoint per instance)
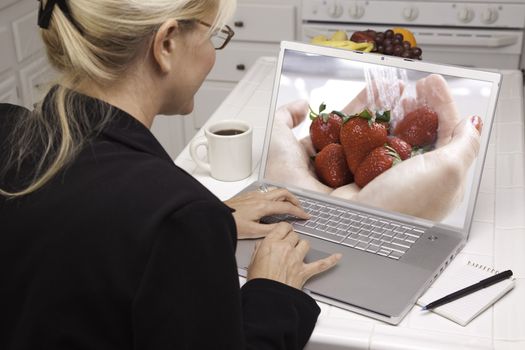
(325, 128)
(361, 134)
(401, 147)
(330, 166)
(419, 127)
(376, 162)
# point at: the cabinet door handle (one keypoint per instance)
(238, 24)
(240, 66)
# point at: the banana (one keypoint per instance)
(339, 35)
(318, 39)
(347, 44)
(369, 48)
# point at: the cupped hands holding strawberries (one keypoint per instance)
(411, 158)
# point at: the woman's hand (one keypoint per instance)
(427, 186)
(280, 257)
(250, 207)
(432, 184)
(290, 159)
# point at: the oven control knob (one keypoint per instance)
(465, 15)
(489, 16)
(335, 10)
(356, 11)
(410, 13)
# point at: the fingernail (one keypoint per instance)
(477, 123)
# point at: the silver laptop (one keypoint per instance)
(391, 254)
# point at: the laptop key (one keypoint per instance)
(311, 224)
(321, 227)
(394, 248)
(346, 221)
(376, 235)
(300, 222)
(331, 230)
(413, 234)
(388, 233)
(395, 255)
(361, 246)
(401, 236)
(364, 233)
(410, 240)
(399, 244)
(372, 248)
(383, 252)
(365, 240)
(350, 242)
(322, 221)
(319, 234)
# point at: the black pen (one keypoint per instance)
(470, 289)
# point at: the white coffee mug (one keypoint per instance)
(229, 147)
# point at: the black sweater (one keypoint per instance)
(125, 250)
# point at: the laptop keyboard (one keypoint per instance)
(356, 230)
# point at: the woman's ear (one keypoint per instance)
(164, 45)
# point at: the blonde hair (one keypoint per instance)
(106, 38)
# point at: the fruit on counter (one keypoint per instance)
(396, 41)
(339, 35)
(325, 127)
(363, 37)
(331, 168)
(348, 45)
(379, 160)
(361, 134)
(418, 127)
(406, 34)
(318, 39)
(340, 40)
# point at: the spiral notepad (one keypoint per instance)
(465, 309)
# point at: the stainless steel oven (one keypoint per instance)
(475, 33)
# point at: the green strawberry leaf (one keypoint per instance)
(345, 117)
(325, 117)
(312, 114)
(383, 116)
(365, 113)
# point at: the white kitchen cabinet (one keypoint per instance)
(169, 131)
(233, 62)
(264, 22)
(27, 38)
(8, 90)
(24, 69)
(6, 59)
(36, 79)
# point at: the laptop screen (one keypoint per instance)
(392, 135)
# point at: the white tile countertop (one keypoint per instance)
(497, 237)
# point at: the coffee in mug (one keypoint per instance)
(228, 144)
(228, 132)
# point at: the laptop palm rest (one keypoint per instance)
(355, 279)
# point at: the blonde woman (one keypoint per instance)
(105, 243)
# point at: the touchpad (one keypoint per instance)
(314, 255)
